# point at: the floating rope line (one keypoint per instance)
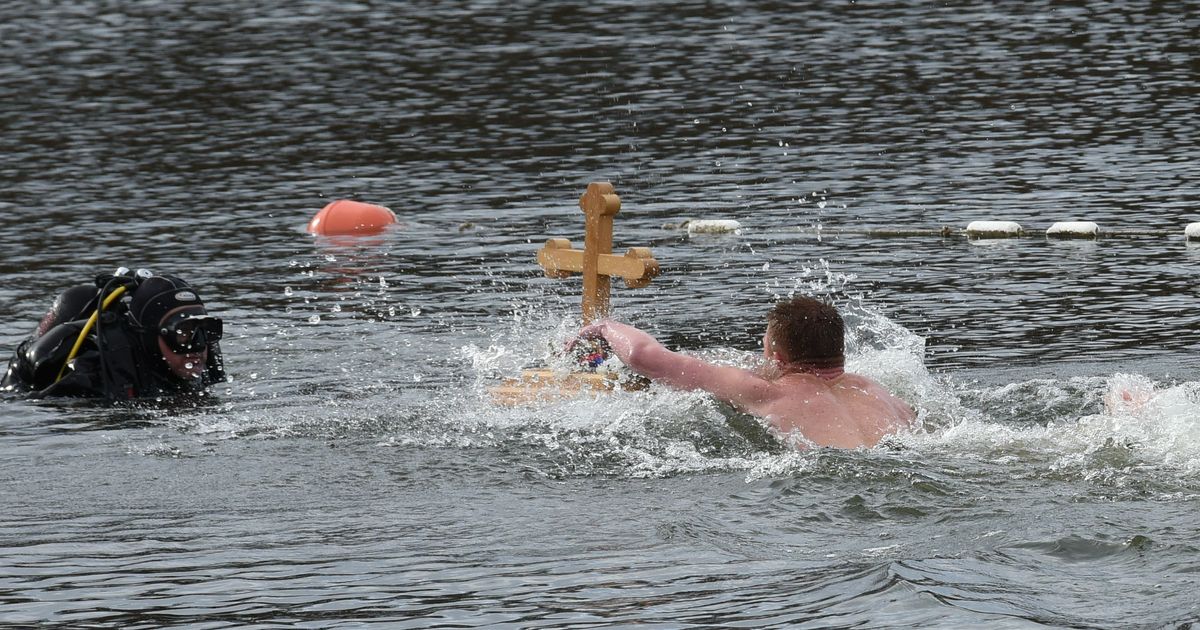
(974, 231)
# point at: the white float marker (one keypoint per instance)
(713, 226)
(1192, 232)
(1073, 229)
(993, 229)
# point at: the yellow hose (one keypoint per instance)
(87, 328)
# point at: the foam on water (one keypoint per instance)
(1108, 429)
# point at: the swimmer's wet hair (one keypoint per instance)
(809, 331)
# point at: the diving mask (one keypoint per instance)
(187, 333)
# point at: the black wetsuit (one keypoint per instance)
(114, 361)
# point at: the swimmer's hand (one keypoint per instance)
(589, 348)
(592, 331)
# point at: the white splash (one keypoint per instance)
(1085, 427)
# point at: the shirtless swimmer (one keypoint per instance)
(812, 395)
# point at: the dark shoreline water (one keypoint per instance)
(354, 473)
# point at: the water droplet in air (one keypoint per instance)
(314, 319)
(287, 291)
(820, 204)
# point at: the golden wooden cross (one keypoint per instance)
(596, 262)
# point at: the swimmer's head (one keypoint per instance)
(805, 331)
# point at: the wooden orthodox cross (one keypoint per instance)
(596, 262)
(598, 265)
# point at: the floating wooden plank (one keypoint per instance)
(544, 385)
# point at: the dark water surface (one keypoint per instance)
(354, 471)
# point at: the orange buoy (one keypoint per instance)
(350, 217)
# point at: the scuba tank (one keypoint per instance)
(79, 323)
(45, 356)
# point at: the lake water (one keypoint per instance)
(355, 473)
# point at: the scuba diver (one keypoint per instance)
(126, 336)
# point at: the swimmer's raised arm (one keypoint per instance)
(646, 356)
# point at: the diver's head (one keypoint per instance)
(184, 335)
(174, 323)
